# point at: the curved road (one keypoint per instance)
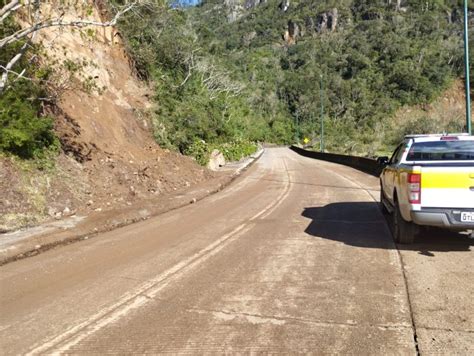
(292, 257)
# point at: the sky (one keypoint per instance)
(185, 3)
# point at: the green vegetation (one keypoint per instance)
(198, 98)
(23, 130)
(232, 151)
(235, 151)
(227, 84)
(219, 82)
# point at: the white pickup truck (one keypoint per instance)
(429, 181)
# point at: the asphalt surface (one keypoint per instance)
(293, 257)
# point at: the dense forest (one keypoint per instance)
(228, 73)
(254, 70)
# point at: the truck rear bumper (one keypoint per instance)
(448, 218)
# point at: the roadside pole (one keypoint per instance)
(321, 141)
(466, 71)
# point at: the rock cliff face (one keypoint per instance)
(248, 37)
(324, 22)
(327, 21)
(318, 24)
(249, 4)
(292, 33)
(285, 5)
(235, 9)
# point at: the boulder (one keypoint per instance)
(216, 160)
(292, 33)
(284, 5)
(250, 4)
(248, 37)
(327, 21)
(234, 10)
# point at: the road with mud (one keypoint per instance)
(294, 256)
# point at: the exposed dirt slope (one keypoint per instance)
(109, 156)
(447, 112)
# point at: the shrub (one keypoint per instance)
(200, 150)
(23, 131)
(376, 61)
(235, 151)
(232, 151)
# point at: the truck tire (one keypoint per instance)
(382, 206)
(403, 231)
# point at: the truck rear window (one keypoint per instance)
(441, 151)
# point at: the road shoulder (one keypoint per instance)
(32, 241)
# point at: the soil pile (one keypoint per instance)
(109, 157)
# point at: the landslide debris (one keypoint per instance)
(108, 157)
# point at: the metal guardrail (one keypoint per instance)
(363, 164)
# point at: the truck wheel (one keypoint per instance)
(383, 208)
(403, 231)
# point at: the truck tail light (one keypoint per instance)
(414, 188)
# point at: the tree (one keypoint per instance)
(19, 39)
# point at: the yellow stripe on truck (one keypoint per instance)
(447, 180)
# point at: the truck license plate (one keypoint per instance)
(467, 216)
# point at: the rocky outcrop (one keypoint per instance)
(284, 5)
(401, 5)
(324, 22)
(216, 160)
(250, 4)
(454, 16)
(327, 21)
(248, 37)
(292, 33)
(234, 9)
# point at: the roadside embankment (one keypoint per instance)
(363, 164)
(29, 242)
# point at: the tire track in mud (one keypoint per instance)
(148, 291)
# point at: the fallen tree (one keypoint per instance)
(34, 20)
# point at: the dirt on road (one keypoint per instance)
(56, 233)
(294, 257)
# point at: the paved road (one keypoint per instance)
(293, 257)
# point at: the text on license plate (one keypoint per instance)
(467, 216)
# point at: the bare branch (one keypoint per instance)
(60, 22)
(8, 69)
(9, 8)
(18, 75)
(33, 8)
(217, 81)
(9, 66)
(191, 67)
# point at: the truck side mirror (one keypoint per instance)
(383, 161)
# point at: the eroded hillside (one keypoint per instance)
(107, 157)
